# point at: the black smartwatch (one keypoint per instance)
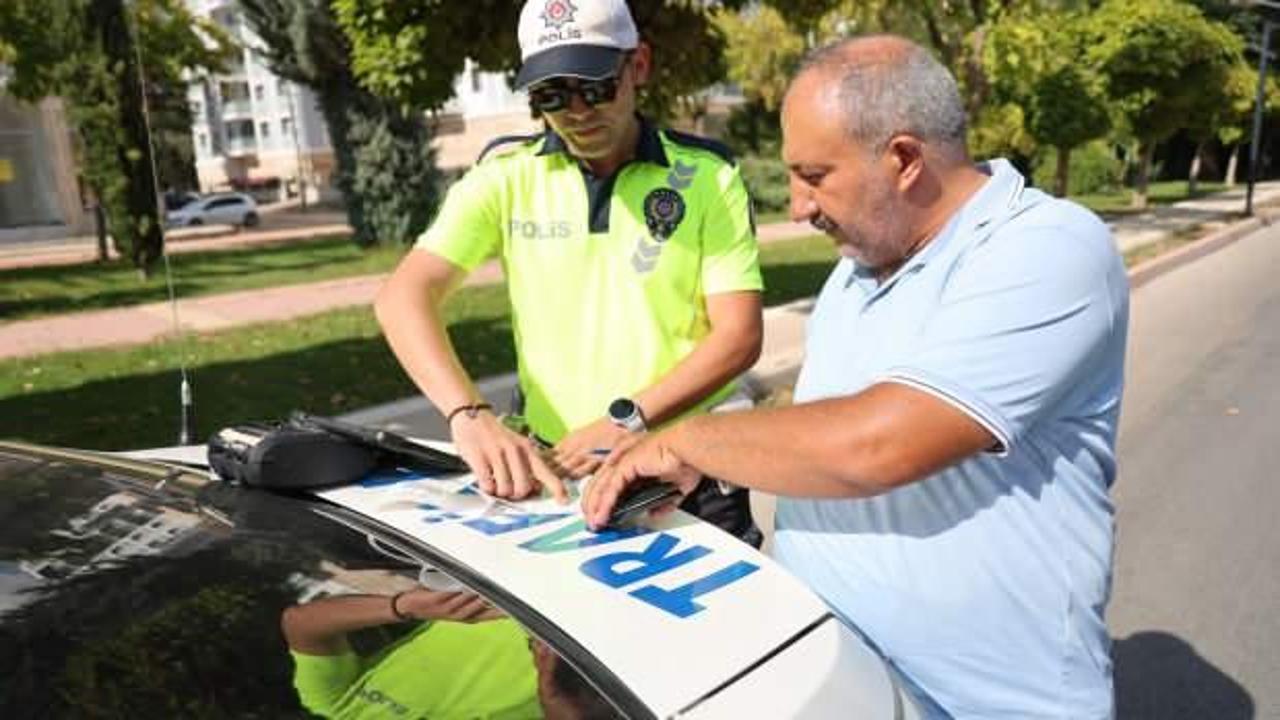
(625, 413)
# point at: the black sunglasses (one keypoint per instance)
(556, 93)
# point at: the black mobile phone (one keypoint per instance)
(638, 499)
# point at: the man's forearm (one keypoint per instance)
(861, 445)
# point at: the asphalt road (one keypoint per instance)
(1196, 591)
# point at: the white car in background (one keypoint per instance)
(217, 209)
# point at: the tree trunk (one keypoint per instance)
(1194, 176)
(146, 242)
(100, 226)
(1232, 163)
(1062, 179)
(1146, 154)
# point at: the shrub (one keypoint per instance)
(1094, 168)
(766, 179)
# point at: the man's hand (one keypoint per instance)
(584, 449)
(427, 604)
(505, 463)
(636, 456)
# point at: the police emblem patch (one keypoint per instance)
(663, 211)
(558, 12)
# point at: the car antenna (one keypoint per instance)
(187, 426)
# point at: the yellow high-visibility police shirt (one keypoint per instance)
(608, 277)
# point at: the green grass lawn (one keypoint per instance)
(31, 292)
(1165, 192)
(330, 363)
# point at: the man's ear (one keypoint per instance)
(906, 152)
(642, 63)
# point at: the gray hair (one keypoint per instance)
(902, 89)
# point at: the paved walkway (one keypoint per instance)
(784, 326)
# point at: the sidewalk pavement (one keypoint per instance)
(277, 226)
(784, 325)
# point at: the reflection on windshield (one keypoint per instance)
(461, 659)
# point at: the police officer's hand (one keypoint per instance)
(636, 456)
(582, 450)
(505, 463)
(425, 604)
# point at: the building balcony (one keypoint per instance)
(237, 110)
(240, 146)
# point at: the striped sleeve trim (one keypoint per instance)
(981, 413)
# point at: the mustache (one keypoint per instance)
(823, 223)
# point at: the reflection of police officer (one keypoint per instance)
(630, 257)
(464, 661)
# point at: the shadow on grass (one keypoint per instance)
(142, 410)
(93, 286)
(784, 283)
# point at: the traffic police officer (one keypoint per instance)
(630, 257)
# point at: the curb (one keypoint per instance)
(1146, 271)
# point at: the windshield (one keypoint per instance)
(124, 596)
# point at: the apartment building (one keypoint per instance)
(251, 128)
(40, 195)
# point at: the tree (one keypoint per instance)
(761, 55)
(302, 42)
(956, 31)
(1165, 65)
(1037, 63)
(394, 165)
(1237, 118)
(85, 52)
(411, 52)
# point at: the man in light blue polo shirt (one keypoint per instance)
(944, 472)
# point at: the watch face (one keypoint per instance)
(622, 409)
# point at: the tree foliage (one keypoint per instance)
(411, 52)
(762, 53)
(84, 51)
(1166, 68)
(1038, 63)
(303, 43)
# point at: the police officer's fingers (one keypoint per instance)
(490, 613)
(572, 465)
(586, 464)
(481, 469)
(501, 474)
(624, 446)
(549, 478)
(473, 609)
(517, 460)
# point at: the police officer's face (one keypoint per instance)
(845, 190)
(599, 131)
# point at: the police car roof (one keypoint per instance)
(673, 611)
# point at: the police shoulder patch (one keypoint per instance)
(504, 140)
(697, 141)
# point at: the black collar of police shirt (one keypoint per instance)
(600, 189)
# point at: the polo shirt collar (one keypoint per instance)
(648, 145)
(998, 198)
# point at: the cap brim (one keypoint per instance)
(589, 62)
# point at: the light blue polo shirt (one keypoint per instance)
(985, 583)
